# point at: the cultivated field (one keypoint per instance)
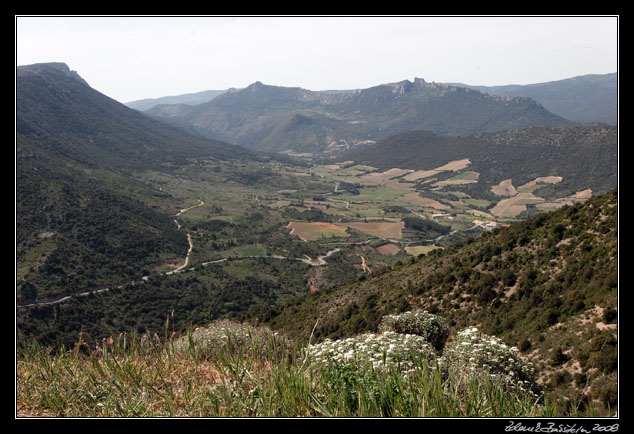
(313, 231)
(385, 230)
(504, 188)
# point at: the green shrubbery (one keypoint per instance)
(228, 369)
(431, 327)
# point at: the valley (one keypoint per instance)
(124, 221)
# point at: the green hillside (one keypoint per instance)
(548, 286)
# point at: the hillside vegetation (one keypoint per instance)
(234, 370)
(548, 286)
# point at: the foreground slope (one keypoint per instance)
(548, 286)
(81, 220)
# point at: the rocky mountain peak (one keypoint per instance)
(49, 70)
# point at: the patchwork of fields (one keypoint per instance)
(306, 210)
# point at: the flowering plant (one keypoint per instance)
(473, 354)
(373, 351)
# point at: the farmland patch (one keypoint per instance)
(533, 185)
(417, 199)
(388, 249)
(504, 188)
(468, 177)
(514, 206)
(316, 230)
(385, 230)
(377, 178)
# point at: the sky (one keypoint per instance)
(136, 57)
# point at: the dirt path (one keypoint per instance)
(364, 265)
(189, 238)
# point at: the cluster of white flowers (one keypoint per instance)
(374, 350)
(473, 354)
(422, 323)
(223, 334)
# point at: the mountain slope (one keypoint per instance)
(548, 286)
(59, 110)
(250, 116)
(586, 98)
(81, 221)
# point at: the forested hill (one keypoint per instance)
(585, 156)
(548, 285)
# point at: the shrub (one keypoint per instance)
(223, 335)
(473, 355)
(421, 323)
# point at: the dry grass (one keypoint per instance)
(504, 188)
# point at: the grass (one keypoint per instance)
(250, 251)
(231, 370)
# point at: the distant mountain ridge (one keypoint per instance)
(256, 116)
(188, 98)
(587, 98)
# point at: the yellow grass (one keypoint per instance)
(530, 186)
(417, 250)
(514, 206)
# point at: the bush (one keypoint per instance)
(224, 335)
(421, 323)
(473, 355)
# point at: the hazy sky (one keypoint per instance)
(131, 58)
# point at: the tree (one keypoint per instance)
(29, 292)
